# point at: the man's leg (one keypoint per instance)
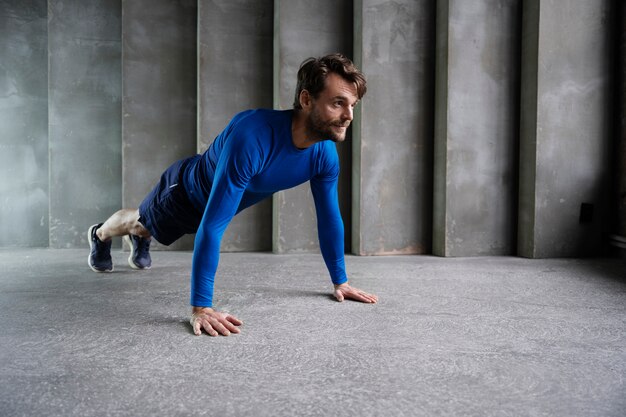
(125, 223)
(122, 223)
(167, 213)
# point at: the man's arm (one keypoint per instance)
(217, 216)
(331, 237)
(235, 168)
(221, 207)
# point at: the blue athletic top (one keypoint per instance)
(250, 160)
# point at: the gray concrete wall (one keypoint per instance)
(69, 177)
(159, 93)
(476, 137)
(235, 73)
(566, 118)
(303, 29)
(392, 165)
(84, 94)
(23, 123)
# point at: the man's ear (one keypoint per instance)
(305, 99)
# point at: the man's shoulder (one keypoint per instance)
(327, 159)
(259, 128)
(253, 131)
(328, 149)
(261, 117)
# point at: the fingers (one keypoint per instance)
(361, 296)
(234, 320)
(355, 294)
(196, 326)
(230, 323)
(215, 325)
(202, 322)
(371, 298)
(367, 298)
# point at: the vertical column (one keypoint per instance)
(565, 121)
(392, 166)
(621, 118)
(23, 123)
(476, 134)
(306, 29)
(84, 116)
(159, 87)
(235, 74)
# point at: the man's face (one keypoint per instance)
(331, 112)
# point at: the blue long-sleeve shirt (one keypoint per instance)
(251, 159)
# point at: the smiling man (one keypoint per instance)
(259, 153)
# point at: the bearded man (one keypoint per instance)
(259, 153)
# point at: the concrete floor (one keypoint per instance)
(468, 337)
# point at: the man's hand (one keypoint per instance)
(345, 291)
(213, 322)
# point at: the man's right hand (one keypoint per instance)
(213, 322)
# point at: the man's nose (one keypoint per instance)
(348, 113)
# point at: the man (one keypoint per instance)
(258, 153)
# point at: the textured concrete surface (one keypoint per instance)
(235, 41)
(451, 336)
(84, 108)
(23, 123)
(306, 29)
(392, 166)
(159, 85)
(566, 100)
(477, 130)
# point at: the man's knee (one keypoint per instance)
(135, 227)
(141, 231)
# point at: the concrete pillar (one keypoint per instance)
(303, 29)
(565, 127)
(392, 165)
(476, 133)
(159, 85)
(234, 74)
(84, 116)
(23, 123)
(621, 118)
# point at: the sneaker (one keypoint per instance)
(100, 257)
(139, 257)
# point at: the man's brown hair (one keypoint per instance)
(313, 72)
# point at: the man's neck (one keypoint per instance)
(299, 134)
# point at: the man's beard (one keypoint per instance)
(319, 129)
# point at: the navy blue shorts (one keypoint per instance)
(166, 211)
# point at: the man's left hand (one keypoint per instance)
(345, 291)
